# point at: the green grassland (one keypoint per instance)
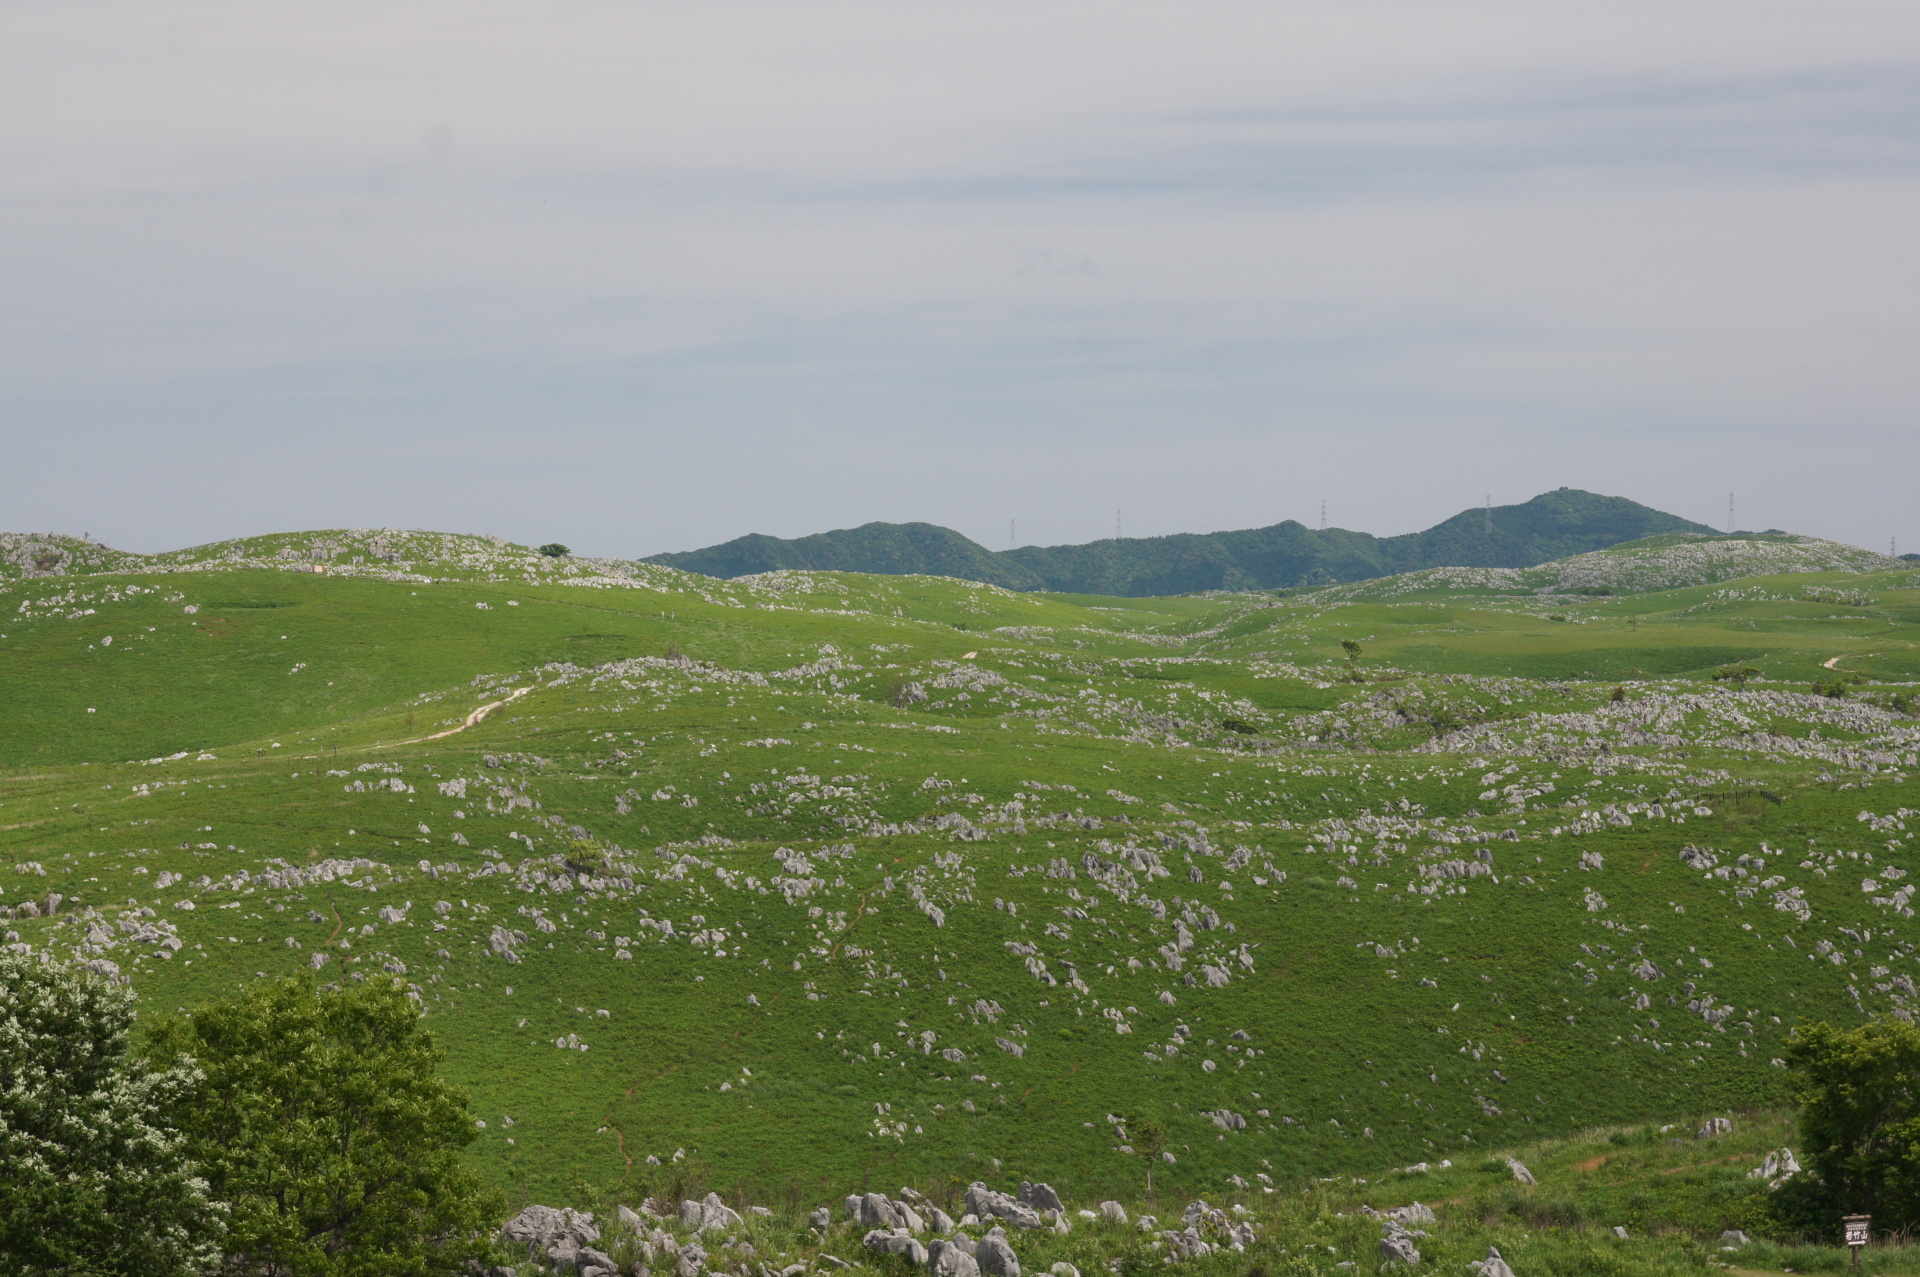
(823, 881)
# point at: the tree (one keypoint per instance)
(95, 1181)
(1860, 1124)
(1351, 647)
(1146, 1137)
(1735, 674)
(323, 1124)
(554, 550)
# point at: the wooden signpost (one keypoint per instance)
(1857, 1229)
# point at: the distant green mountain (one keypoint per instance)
(1552, 526)
(892, 549)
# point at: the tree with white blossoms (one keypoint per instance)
(92, 1178)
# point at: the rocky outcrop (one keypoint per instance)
(984, 1203)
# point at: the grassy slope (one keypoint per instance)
(1527, 984)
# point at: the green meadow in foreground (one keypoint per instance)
(806, 883)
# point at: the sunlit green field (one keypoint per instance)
(917, 880)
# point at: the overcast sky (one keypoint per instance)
(645, 276)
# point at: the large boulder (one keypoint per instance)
(1113, 1212)
(541, 1228)
(1410, 1215)
(875, 1211)
(595, 1263)
(941, 1221)
(946, 1259)
(718, 1214)
(995, 1257)
(1396, 1247)
(984, 1203)
(895, 1241)
(1492, 1265)
(1040, 1197)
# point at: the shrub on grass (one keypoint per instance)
(95, 1180)
(323, 1124)
(1860, 1125)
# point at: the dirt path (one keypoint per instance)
(470, 720)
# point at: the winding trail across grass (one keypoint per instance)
(471, 719)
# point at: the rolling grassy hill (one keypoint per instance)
(811, 881)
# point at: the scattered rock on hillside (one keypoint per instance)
(946, 1259)
(1734, 1237)
(895, 1241)
(1520, 1171)
(995, 1257)
(1780, 1164)
(546, 1229)
(1714, 1127)
(1396, 1247)
(1414, 1214)
(1114, 1211)
(985, 1203)
(820, 1220)
(1492, 1265)
(1040, 1196)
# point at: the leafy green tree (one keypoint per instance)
(1351, 647)
(323, 1124)
(1735, 674)
(554, 550)
(1860, 1123)
(1146, 1137)
(92, 1179)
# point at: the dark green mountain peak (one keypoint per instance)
(1551, 526)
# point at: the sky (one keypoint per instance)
(645, 276)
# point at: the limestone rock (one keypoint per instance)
(995, 1257)
(895, 1241)
(1492, 1265)
(945, 1259)
(1520, 1171)
(1715, 1127)
(1414, 1214)
(1780, 1165)
(717, 1214)
(1398, 1248)
(1734, 1237)
(820, 1220)
(985, 1203)
(546, 1226)
(1040, 1196)
(1113, 1212)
